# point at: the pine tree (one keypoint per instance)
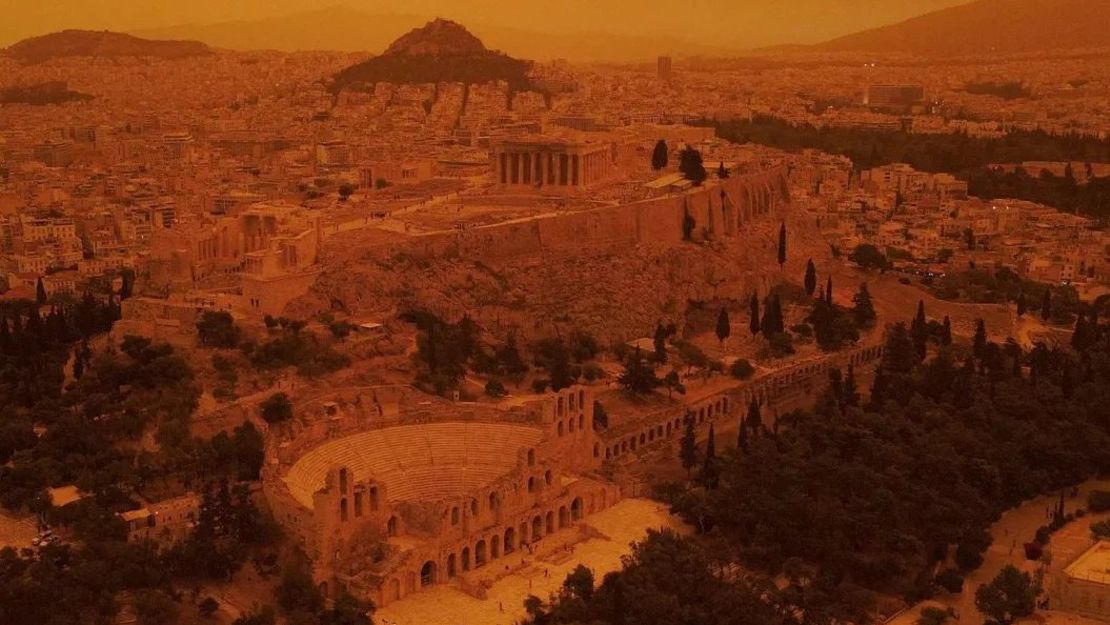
(688, 450)
(753, 323)
(1021, 305)
(810, 278)
(1046, 305)
(40, 292)
(979, 343)
(919, 331)
(724, 328)
(782, 245)
(946, 332)
(659, 156)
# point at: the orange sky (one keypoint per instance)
(731, 23)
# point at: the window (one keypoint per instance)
(455, 515)
(531, 484)
(547, 478)
(531, 457)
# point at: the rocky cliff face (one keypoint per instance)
(613, 295)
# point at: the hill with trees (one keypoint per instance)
(77, 43)
(439, 51)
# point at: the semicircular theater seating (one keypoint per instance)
(428, 461)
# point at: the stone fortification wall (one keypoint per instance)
(719, 209)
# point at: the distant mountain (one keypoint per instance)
(348, 30)
(69, 43)
(989, 27)
(439, 51)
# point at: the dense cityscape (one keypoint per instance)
(434, 334)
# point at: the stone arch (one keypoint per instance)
(465, 557)
(479, 553)
(597, 450)
(323, 588)
(560, 431)
(455, 515)
(531, 484)
(451, 572)
(493, 501)
(391, 526)
(343, 480)
(428, 574)
(537, 527)
(495, 547)
(564, 517)
(570, 425)
(374, 498)
(550, 521)
(576, 509)
(394, 589)
(581, 422)
(531, 457)
(548, 477)
(343, 509)
(510, 541)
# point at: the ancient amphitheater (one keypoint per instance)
(389, 491)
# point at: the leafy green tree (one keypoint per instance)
(659, 156)
(691, 165)
(208, 606)
(277, 408)
(217, 329)
(868, 256)
(1010, 596)
(741, 369)
(638, 376)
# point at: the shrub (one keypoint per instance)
(1100, 530)
(781, 344)
(539, 385)
(494, 388)
(741, 369)
(592, 371)
(934, 616)
(1042, 535)
(1033, 550)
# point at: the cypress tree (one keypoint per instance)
(724, 328)
(659, 155)
(810, 278)
(5, 336)
(782, 245)
(863, 312)
(753, 323)
(709, 473)
(919, 331)
(1021, 305)
(828, 291)
(688, 450)
(660, 343)
(946, 332)
(979, 343)
(1046, 305)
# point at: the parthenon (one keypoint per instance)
(554, 165)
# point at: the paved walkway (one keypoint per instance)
(1016, 527)
(16, 531)
(622, 524)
